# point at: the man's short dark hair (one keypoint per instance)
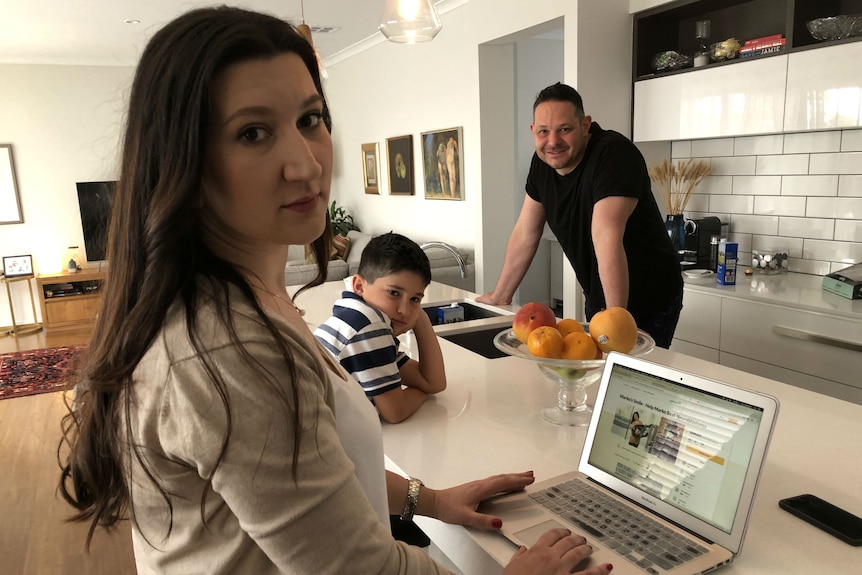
(560, 92)
(391, 253)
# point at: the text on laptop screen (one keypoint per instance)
(686, 447)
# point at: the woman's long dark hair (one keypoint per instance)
(155, 249)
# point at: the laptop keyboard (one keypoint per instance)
(643, 541)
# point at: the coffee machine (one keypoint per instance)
(698, 234)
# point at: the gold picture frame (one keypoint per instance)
(443, 164)
(371, 168)
(399, 153)
(10, 199)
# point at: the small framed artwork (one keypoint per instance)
(17, 266)
(370, 168)
(399, 153)
(10, 201)
(443, 165)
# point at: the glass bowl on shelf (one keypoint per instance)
(572, 376)
(835, 27)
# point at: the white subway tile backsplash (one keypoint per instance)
(843, 163)
(851, 141)
(715, 185)
(848, 230)
(781, 165)
(758, 145)
(801, 191)
(805, 142)
(847, 252)
(809, 185)
(733, 166)
(742, 224)
(680, 149)
(732, 204)
(816, 228)
(850, 186)
(757, 185)
(712, 148)
(841, 208)
(779, 206)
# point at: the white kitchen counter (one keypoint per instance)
(803, 291)
(487, 421)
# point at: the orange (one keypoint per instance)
(579, 345)
(545, 341)
(614, 329)
(567, 326)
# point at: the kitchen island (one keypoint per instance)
(487, 422)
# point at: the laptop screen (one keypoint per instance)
(687, 447)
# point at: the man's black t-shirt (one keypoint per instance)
(611, 166)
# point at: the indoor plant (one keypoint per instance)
(342, 222)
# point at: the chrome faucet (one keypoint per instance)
(461, 263)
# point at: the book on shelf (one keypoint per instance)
(761, 51)
(754, 47)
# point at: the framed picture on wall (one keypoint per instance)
(443, 164)
(17, 266)
(370, 168)
(399, 153)
(10, 201)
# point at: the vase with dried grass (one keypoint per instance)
(676, 182)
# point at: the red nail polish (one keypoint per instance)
(610, 567)
(497, 523)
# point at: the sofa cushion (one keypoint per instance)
(301, 274)
(358, 241)
(341, 245)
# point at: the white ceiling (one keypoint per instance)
(95, 32)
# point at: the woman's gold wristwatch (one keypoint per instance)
(413, 486)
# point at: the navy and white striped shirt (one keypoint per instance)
(360, 337)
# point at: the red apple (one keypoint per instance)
(531, 316)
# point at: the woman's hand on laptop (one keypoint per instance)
(458, 505)
(556, 552)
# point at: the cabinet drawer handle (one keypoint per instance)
(815, 337)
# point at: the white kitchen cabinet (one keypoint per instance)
(698, 332)
(824, 88)
(781, 340)
(736, 99)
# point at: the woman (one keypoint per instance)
(207, 410)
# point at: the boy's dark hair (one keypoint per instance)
(560, 92)
(391, 253)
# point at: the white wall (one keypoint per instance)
(64, 124)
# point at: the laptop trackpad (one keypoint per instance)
(531, 535)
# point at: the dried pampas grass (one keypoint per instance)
(676, 182)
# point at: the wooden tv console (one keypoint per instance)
(70, 299)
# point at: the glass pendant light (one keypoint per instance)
(409, 21)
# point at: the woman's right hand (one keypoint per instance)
(556, 552)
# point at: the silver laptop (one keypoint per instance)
(667, 476)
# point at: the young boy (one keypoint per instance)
(362, 332)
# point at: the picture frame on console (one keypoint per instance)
(10, 199)
(443, 164)
(371, 168)
(399, 152)
(17, 266)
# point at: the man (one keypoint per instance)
(593, 189)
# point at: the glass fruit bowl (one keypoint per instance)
(572, 376)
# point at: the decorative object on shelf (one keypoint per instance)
(443, 164)
(17, 266)
(370, 168)
(10, 200)
(676, 182)
(702, 30)
(769, 261)
(410, 21)
(72, 261)
(724, 50)
(836, 27)
(572, 376)
(399, 153)
(670, 60)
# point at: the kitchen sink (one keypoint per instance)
(472, 311)
(479, 341)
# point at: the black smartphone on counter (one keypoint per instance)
(828, 517)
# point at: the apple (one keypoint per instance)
(531, 316)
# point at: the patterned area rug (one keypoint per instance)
(37, 371)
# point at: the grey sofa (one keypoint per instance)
(449, 265)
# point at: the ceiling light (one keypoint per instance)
(305, 31)
(410, 21)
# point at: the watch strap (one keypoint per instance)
(412, 500)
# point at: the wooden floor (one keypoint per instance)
(34, 537)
